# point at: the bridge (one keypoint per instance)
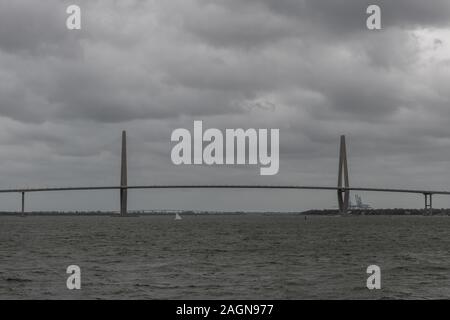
(343, 187)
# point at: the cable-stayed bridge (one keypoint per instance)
(343, 188)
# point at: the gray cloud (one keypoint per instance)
(310, 68)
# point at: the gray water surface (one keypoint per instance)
(225, 257)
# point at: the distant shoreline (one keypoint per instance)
(314, 212)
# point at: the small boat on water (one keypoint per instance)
(177, 216)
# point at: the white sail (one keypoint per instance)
(177, 216)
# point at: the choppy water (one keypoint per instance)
(223, 256)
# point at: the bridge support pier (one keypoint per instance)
(343, 194)
(123, 176)
(23, 203)
(428, 203)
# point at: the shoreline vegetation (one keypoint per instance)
(313, 212)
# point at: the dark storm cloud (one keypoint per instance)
(309, 68)
(344, 16)
(26, 25)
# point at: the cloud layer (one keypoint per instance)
(309, 68)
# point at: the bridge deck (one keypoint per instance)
(294, 187)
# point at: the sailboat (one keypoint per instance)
(177, 216)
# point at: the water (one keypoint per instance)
(225, 257)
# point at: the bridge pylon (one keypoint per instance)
(23, 203)
(343, 193)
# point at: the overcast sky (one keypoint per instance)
(308, 67)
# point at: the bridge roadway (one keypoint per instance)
(224, 186)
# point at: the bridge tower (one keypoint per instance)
(23, 203)
(428, 203)
(343, 193)
(123, 176)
